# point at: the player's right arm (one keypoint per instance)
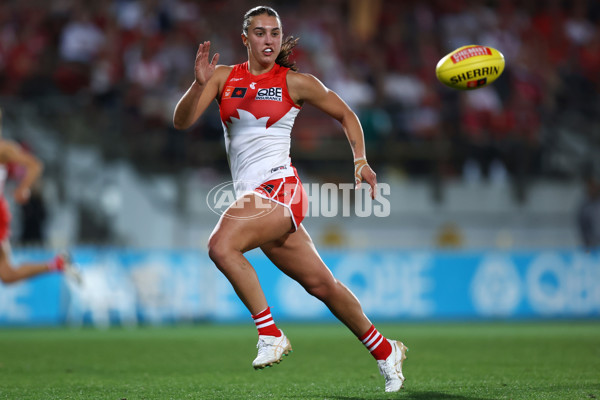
(208, 81)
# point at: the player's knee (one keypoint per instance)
(322, 290)
(218, 249)
(214, 249)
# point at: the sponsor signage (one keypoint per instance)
(131, 287)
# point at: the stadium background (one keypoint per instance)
(486, 186)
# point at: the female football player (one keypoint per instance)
(12, 153)
(258, 102)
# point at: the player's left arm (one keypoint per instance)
(307, 88)
(11, 152)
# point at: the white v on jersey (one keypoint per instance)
(257, 114)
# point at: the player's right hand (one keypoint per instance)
(203, 69)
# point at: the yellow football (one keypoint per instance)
(470, 67)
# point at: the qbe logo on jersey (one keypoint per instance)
(273, 93)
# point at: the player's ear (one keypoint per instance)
(245, 39)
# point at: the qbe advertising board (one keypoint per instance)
(128, 287)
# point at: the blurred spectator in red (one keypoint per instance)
(127, 56)
(589, 57)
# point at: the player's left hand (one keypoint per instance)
(363, 172)
(203, 69)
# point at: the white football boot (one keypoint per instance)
(271, 350)
(69, 268)
(391, 367)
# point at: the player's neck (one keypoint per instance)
(256, 68)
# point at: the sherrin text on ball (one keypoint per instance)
(470, 67)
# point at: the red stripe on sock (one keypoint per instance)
(367, 334)
(265, 324)
(56, 264)
(376, 343)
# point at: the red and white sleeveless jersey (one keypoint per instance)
(257, 114)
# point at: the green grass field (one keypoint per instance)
(445, 361)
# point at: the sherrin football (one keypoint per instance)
(470, 67)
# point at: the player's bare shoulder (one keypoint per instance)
(223, 70)
(220, 77)
(298, 80)
(303, 86)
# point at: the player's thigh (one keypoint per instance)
(250, 222)
(5, 266)
(296, 256)
(5, 251)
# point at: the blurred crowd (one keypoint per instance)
(123, 64)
